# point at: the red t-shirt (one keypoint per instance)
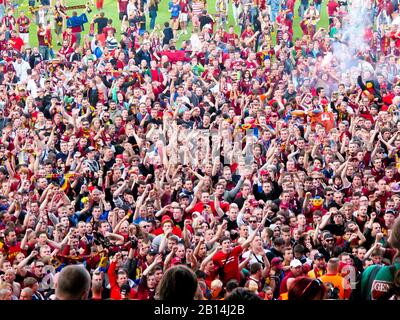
(11, 251)
(332, 6)
(231, 267)
(17, 43)
(122, 6)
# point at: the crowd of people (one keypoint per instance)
(261, 160)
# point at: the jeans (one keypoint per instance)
(2, 11)
(153, 16)
(78, 37)
(302, 9)
(44, 51)
(273, 16)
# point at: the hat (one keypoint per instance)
(318, 256)
(183, 195)
(89, 149)
(152, 252)
(264, 172)
(166, 219)
(295, 263)
(119, 156)
(273, 227)
(277, 262)
(390, 211)
(327, 236)
(65, 138)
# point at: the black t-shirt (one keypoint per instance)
(101, 24)
(204, 20)
(335, 229)
(109, 164)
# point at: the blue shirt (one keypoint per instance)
(175, 10)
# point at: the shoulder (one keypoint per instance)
(386, 273)
(237, 249)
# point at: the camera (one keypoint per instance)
(99, 239)
(134, 242)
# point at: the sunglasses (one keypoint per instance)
(253, 221)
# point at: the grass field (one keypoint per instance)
(111, 11)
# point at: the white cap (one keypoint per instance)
(295, 263)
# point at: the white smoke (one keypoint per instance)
(352, 43)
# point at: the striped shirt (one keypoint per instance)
(197, 8)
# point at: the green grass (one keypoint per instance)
(111, 11)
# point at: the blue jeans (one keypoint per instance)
(2, 11)
(274, 14)
(302, 9)
(44, 51)
(153, 16)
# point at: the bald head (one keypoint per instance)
(73, 283)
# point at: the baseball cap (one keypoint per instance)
(295, 263)
(166, 219)
(277, 262)
(183, 195)
(152, 252)
(89, 149)
(390, 211)
(328, 236)
(318, 256)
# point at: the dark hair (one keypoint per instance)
(255, 267)
(179, 283)
(231, 285)
(304, 288)
(279, 242)
(242, 294)
(298, 248)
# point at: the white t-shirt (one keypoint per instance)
(255, 258)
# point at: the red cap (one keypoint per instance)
(165, 219)
(264, 172)
(65, 138)
(119, 156)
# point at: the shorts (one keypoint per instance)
(121, 15)
(183, 17)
